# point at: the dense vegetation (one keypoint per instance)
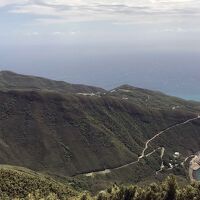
(12, 81)
(21, 183)
(49, 132)
(167, 190)
(60, 129)
(18, 183)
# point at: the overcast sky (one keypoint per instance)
(66, 20)
(147, 43)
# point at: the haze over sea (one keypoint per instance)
(148, 44)
(176, 73)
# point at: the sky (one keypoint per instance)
(153, 44)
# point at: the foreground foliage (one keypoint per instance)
(20, 183)
(168, 190)
(23, 184)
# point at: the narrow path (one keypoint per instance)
(161, 157)
(145, 149)
(163, 131)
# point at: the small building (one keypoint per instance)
(176, 155)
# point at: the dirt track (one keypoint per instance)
(105, 171)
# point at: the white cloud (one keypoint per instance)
(58, 33)
(4, 3)
(72, 33)
(34, 33)
(61, 11)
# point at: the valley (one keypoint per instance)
(93, 138)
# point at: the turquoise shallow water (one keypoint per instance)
(197, 174)
(190, 97)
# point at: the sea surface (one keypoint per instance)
(175, 73)
(190, 97)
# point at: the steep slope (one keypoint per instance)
(11, 80)
(72, 134)
(75, 134)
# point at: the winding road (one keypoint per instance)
(106, 171)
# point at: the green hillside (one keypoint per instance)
(91, 135)
(12, 81)
(22, 183)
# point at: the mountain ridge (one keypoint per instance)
(77, 132)
(12, 80)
